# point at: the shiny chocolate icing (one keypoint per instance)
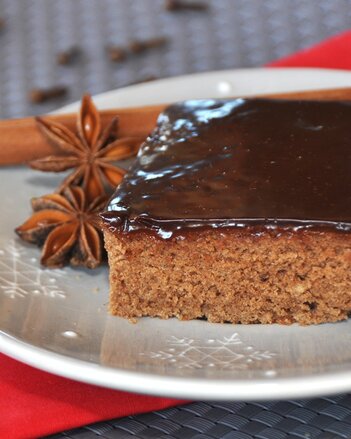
(248, 163)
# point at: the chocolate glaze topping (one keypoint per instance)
(254, 163)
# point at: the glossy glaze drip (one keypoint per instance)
(239, 163)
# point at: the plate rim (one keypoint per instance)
(178, 387)
(100, 97)
(204, 388)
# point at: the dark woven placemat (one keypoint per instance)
(230, 34)
(322, 418)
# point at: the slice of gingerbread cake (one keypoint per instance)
(236, 211)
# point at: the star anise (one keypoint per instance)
(68, 227)
(91, 152)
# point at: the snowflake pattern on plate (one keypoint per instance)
(21, 275)
(227, 353)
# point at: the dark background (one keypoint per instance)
(230, 34)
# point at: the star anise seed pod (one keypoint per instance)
(67, 226)
(90, 153)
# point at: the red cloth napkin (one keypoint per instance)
(35, 403)
(334, 53)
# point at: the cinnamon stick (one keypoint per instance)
(21, 141)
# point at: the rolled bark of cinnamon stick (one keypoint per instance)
(21, 140)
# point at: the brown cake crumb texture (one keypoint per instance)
(232, 276)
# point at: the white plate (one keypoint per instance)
(56, 320)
